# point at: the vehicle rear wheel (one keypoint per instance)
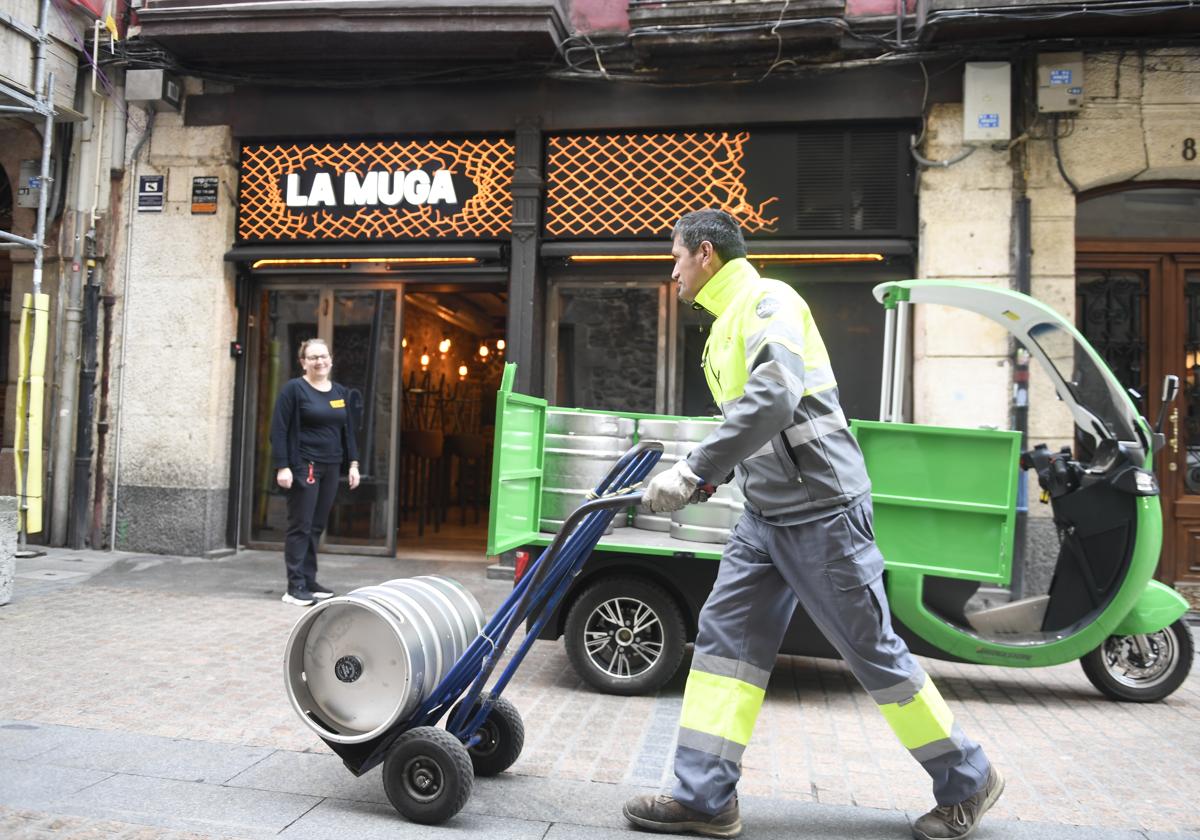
(427, 775)
(1141, 669)
(625, 636)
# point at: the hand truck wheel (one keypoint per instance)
(502, 736)
(427, 775)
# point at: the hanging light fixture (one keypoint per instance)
(499, 343)
(424, 361)
(444, 346)
(483, 351)
(462, 371)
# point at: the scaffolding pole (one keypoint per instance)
(31, 382)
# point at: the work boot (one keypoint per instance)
(954, 822)
(663, 813)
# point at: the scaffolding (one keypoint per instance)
(35, 308)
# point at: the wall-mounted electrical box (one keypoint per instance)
(987, 102)
(1060, 82)
(30, 185)
(162, 89)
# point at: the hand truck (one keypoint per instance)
(428, 772)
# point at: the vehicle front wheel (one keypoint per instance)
(1141, 669)
(625, 636)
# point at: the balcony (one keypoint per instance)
(352, 36)
(969, 20)
(663, 27)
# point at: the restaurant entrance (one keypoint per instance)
(422, 363)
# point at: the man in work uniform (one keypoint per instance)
(805, 536)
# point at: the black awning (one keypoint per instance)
(489, 251)
(662, 247)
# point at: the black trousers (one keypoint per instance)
(308, 507)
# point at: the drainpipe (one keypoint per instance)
(89, 142)
(87, 404)
(1023, 247)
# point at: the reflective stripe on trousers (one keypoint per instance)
(834, 569)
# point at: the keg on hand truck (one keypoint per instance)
(358, 665)
(371, 672)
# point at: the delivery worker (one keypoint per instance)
(805, 536)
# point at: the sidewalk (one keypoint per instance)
(142, 696)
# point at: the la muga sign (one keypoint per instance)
(351, 190)
(375, 190)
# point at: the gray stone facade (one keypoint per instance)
(8, 546)
(171, 520)
(177, 389)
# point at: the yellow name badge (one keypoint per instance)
(337, 403)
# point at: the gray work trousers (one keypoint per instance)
(833, 568)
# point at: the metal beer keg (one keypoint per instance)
(357, 664)
(581, 448)
(663, 431)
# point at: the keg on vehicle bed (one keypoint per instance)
(580, 450)
(663, 431)
(711, 521)
(357, 664)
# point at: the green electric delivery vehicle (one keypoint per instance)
(945, 503)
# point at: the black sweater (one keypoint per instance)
(293, 435)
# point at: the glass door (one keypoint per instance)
(361, 327)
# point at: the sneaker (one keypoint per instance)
(320, 592)
(663, 813)
(300, 597)
(954, 822)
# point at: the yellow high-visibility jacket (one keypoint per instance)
(784, 434)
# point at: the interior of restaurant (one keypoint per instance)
(453, 352)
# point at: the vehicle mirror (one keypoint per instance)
(1170, 388)
(1170, 391)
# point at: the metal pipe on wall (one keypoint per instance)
(1023, 239)
(87, 402)
(67, 372)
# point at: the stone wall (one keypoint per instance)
(608, 348)
(1138, 110)
(178, 376)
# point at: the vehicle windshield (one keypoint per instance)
(1088, 385)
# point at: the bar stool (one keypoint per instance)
(423, 450)
(471, 452)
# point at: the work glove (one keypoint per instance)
(671, 490)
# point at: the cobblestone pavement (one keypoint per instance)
(192, 649)
(35, 825)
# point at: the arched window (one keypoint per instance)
(1157, 212)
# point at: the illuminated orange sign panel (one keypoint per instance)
(376, 191)
(640, 184)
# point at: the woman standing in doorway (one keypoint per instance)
(311, 437)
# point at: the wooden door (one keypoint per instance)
(1138, 303)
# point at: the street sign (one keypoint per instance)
(151, 193)
(204, 194)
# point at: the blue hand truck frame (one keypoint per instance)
(532, 600)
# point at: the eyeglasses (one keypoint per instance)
(323, 357)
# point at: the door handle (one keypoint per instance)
(1174, 465)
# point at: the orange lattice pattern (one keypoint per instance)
(640, 184)
(265, 215)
